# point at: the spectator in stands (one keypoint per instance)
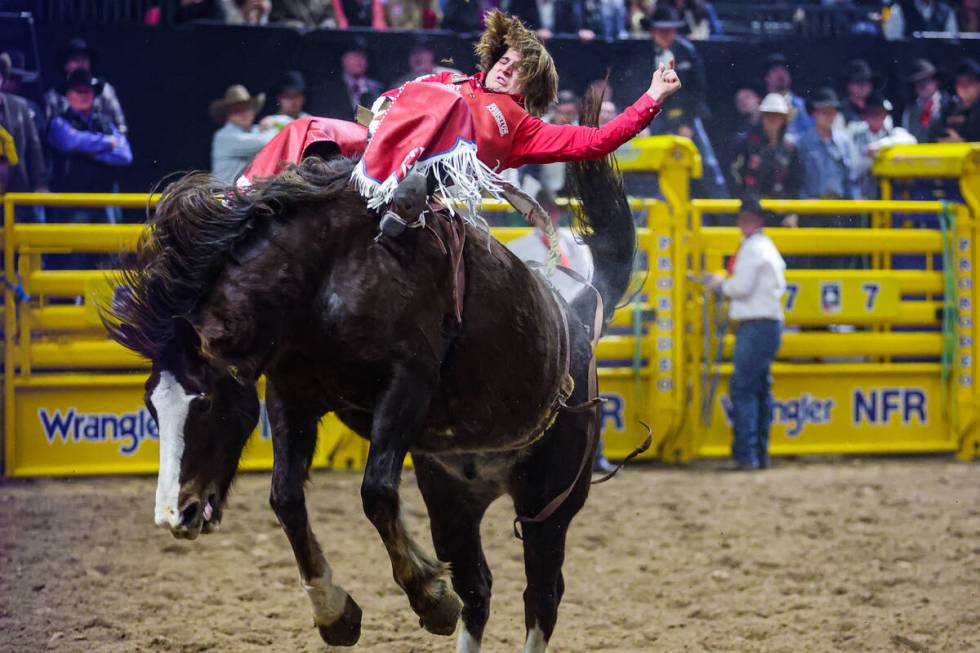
(858, 85)
(87, 147)
(747, 101)
(778, 79)
(28, 173)
(412, 14)
(361, 90)
(421, 62)
(700, 19)
(962, 122)
(13, 84)
(550, 17)
(686, 115)
(247, 12)
(239, 139)
(466, 16)
(308, 14)
(968, 16)
(906, 17)
(869, 136)
(827, 153)
(290, 95)
(922, 116)
(755, 285)
(359, 13)
(607, 111)
(769, 164)
(77, 55)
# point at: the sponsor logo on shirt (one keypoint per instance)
(498, 116)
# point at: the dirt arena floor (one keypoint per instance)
(844, 555)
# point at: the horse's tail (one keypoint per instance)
(605, 222)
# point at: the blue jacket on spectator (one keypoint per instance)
(829, 166)
(86, 151)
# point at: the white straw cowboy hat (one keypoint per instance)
(774, 103)
(235, 94)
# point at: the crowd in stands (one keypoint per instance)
(788, 142)
(589, 19)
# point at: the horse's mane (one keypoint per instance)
(198, 225)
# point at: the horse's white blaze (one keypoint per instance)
(171, 403)
(535, 641)
(328, 599)
(467, 643)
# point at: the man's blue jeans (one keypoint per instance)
(750, 390)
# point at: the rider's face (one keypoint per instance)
(503, 77)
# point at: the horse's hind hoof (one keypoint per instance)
(346, 630)
(442, 617)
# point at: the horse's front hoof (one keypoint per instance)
(346, 630)
(442, 617)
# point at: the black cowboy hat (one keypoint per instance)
(18, 68)
(73, 47)
(822, 98)
(662, 18)
(750, 204)
(921, 69)
(857, 70)
(290, 79)
(81, 77)
(968, 68)
(876, 101)
(776, 59)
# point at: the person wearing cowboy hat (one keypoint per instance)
(290, 95)
(769, 164)
(962, 122)
(14, 82)
(858, 85)
(778, 78)
(754, 286)
(28, 173)
(75, 55)
(685, 116)
(870, 135)
(487, 123)
(930, 105)
(239, 139)
(87, 149)
(827, 153)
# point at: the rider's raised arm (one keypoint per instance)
(536, 141)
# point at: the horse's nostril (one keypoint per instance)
(189, 514)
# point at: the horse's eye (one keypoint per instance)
(201, 403)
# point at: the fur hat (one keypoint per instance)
(536, 69)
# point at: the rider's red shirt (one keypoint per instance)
(508, 136)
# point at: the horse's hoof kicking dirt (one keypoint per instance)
(346, 630)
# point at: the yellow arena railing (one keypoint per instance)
(888, 366)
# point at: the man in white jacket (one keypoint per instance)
(755, 286)
(869, 135)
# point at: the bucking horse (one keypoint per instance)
(292, 280)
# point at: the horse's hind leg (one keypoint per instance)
(544, 475)
(456, 509)
(335, 613)
(397, 418)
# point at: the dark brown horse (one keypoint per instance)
(290, 281)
